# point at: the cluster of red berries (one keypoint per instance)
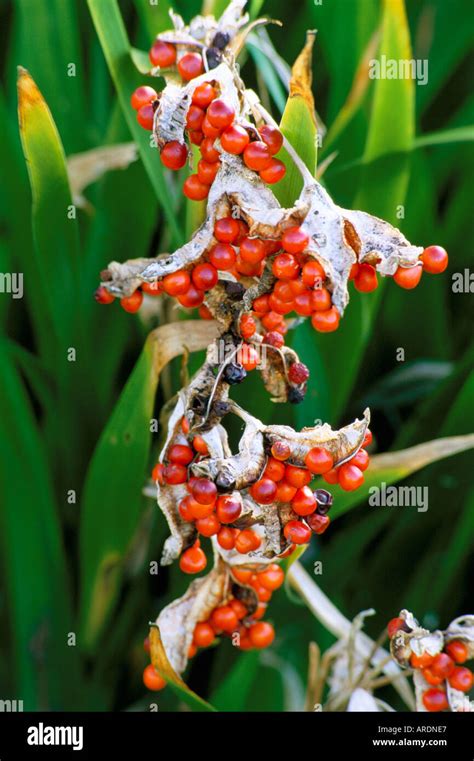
(433, 260)
(233, 618)
(209, 118)
(436, 669)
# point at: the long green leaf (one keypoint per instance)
(34, 571)
(54, 225)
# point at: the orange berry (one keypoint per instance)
(247, 541)
(319, 460)
(224, 619)
(193, 560)
(298, 477)
(457, 650)
(204, 634)
(272, 577)
(132, 303)
(350, 477)
(152, 679)
(327, 321)
(408, 277)
(261, 634)
(435, 259)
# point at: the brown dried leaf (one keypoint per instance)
(88, 167)
(302, 76)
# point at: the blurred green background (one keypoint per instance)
(76, 535)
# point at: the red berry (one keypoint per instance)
(350, 477)
(318, 523)
(204, 276)
(204, 491)
(366, 278)
(234, 139)
(281, 450)
(152, 679)
(207, 172)
(264, 491)
(263, 594)
(185, 510)
(252, 250)
(248, 269)
(313, 273)
(435, 259)
(295, 240)
(132, 303)
(261, 634)
(228, 509)
(153, 289)
(205, 313)
(247, 541)
(285, 492)
(175, 473)
(367, 438)
(176, 283)
(203, 95)
(319, 460)
(174, 155)
(226, 538)
(361, 460)
(200, 445)
(261, 305)
(274, 470)
(421, 661)
(204, 634)
(282, 290)
(209, 525)
(298, 477)
(279, 306)
(331, 477)
(220, 114)
(442, 665)
(181, 454)
(285, 267)
(274, 339)
(190, 66)
(303, 304)
(327, 321)
(162, 54)
(248, 357)
(431, 678)
(461, 679)
(102, 295)
(257, 156)
(208, 151)
(224, 619)
(457, 650)
(243, 575)
(272, 577)
(192, 298)
(320, 300)
(143, 96)
(304, 502)
(408, 277)
(274, 172)
(239, 608)
(194, 189)
(435, 700)
(272, 320)
(145, 117)
(394, 625)
(209, 130)
(298, 373)
(222, 256)
(272, 137)
(195, 118)
(196, 136)
(197, 510)
(247, 326)
(157, 473)
(226, 230)
(193, 560)
(297, 532)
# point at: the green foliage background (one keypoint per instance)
(83, 567)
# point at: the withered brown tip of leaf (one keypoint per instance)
(302, 75)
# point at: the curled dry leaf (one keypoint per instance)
(86, 168)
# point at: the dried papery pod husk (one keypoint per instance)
(265, 521)
(177, 621)
(183, 533)
(240, 470)
(274, 370)
(342, 444)
(462, 628)
(208, 387)
(417, 640)
(204, 28)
